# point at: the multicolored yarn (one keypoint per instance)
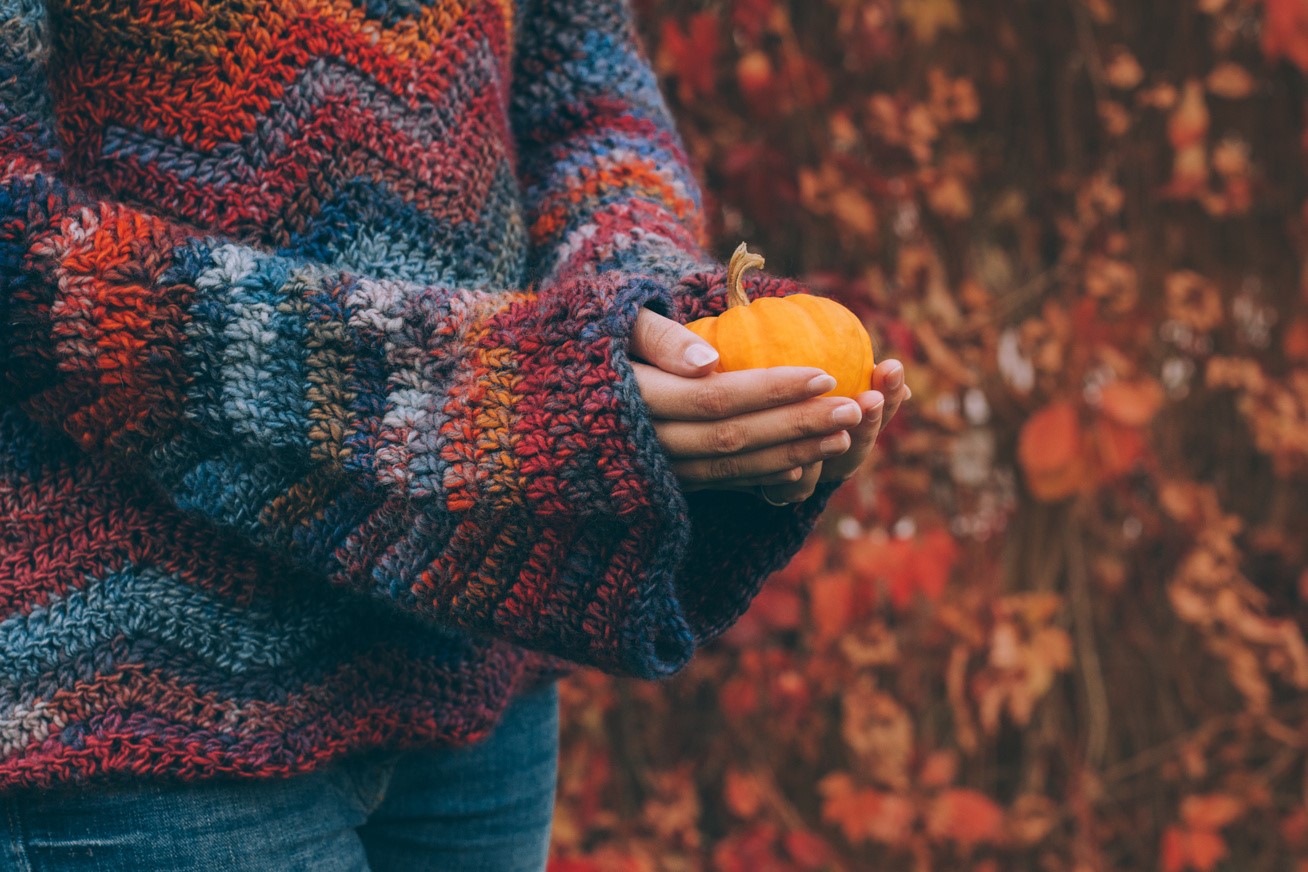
(318, 431)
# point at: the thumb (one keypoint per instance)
(671, 347)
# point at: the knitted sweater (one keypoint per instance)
(318, 429)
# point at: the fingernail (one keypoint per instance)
(877, 402)
(895, 377)
(700, 354)
(834, 444)
(821, 384)
(847, 413)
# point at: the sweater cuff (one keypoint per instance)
(719, 546)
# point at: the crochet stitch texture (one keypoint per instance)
(318, 432)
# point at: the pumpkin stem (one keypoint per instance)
(740, 261)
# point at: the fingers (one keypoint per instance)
(720, 395)
(888, 378)
(798, 491)
(879, 406)
(670, 346)
(748, 485)
(862, 438)
(755, 430)
(767, 461)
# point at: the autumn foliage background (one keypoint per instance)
(1060, 625)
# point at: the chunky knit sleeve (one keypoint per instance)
(610, 192)
(607, 182)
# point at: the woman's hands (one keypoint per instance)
(771, 427)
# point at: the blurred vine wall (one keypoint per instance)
(1059, 625)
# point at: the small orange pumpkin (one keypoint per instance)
(798, 330)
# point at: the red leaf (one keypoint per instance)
(966, 817)
(933, 557)
(807, 563)
(1294, 829)
(1196, 850)
(752, 850)
(778, 608)
(572, 864)
(906, 566)
(864, 814)
(1285, 32)
(691, 54)
(807, 850)
(750, 16)
(1119, 448)
(739, 697)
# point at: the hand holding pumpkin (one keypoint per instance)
(779, 425)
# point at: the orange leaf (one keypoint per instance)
(939, 769)
(1132, 403)
(864, 814)
(757, 80)
(1189, 123)
(928, 17)
(741, 794)
(894, 821)
(1193, 850)
(1295, 341)
(1211, 811)
(1124, 71)
(1050, 452)
(831, 600)
(1230, 80)
(965, 817)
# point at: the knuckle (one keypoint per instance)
(665, 344)
(803, 422)
(775, 391)
(802, 454)
(727, 438)
(724, 468)
(709, 400)
(665, 340)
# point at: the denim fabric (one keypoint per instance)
(482, 808)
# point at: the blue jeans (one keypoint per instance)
(483, 808)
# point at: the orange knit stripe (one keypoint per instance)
(638, 178)
(250, 75)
